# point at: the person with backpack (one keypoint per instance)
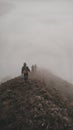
(25, 70)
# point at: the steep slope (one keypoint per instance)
(63, 86)
(33, 105)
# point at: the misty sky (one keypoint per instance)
(36, 31)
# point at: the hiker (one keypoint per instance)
(25, 70)
(33, 68)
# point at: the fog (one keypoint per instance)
(38, 32)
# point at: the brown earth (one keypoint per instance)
(34, 105)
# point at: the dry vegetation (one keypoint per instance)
(37, 104)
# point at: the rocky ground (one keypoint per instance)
(33, 105)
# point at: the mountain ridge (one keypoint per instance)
(34, 105)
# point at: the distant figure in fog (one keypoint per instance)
(34, 68)
(25, 70)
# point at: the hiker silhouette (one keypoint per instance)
(34, 68)
(25, 70)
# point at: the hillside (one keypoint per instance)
(35, 105)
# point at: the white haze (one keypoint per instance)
(36, 31)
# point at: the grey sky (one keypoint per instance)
(38, 32)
